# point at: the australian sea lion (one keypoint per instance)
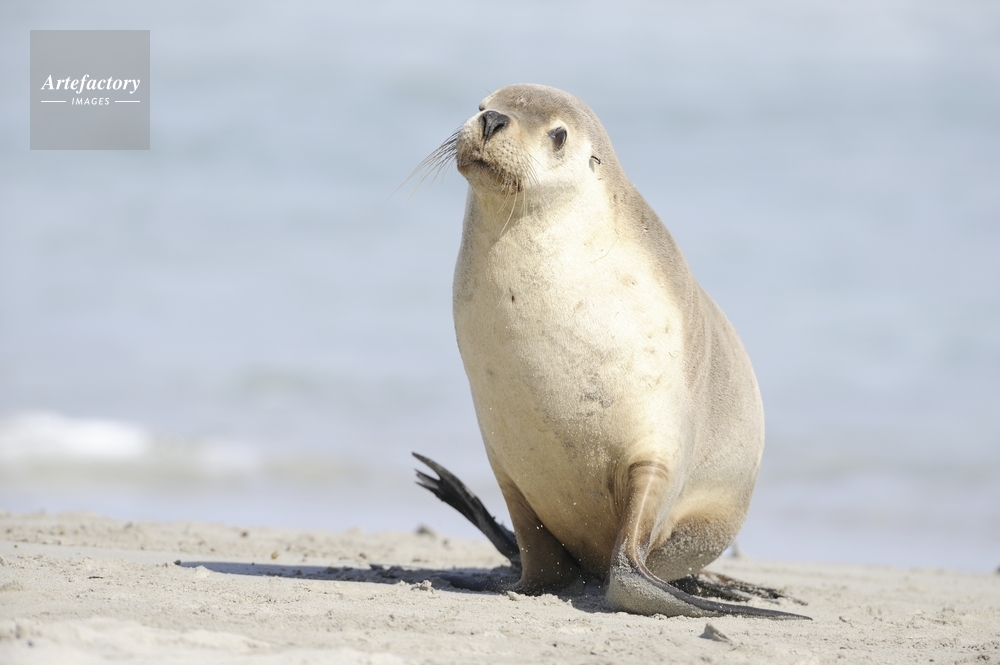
(618, 407)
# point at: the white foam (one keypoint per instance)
(46, 436)
(43, 448)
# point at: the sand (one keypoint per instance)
(81, 588)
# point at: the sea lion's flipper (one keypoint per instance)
(631, 585)
(453, 491)
(716, 585)
(546, 565)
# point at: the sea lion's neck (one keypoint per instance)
(490, 215)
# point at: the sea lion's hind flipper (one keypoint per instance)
(453, 491)
(716, 585)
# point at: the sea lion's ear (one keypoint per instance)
(594, 162)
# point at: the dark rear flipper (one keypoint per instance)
(453, 491)
(716, 585)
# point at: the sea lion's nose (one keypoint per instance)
(493, 122)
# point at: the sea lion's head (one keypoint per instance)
(528, 138)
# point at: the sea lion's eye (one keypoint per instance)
(558, 136)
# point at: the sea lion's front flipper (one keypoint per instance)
(546, 565)
(453, 491)
(631, 585)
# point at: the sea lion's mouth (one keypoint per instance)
(503, 179)
(477, 163)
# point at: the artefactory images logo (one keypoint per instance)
(93, 86)
(90, 89)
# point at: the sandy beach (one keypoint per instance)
(82, 588)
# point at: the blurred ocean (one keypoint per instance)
(246, 324)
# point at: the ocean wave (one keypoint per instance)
(50, 436)
(49, 448)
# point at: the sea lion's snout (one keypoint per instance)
(492, 122)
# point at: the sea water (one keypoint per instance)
(250, 322)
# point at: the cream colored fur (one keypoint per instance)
(590, 349)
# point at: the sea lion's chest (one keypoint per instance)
(565, 332)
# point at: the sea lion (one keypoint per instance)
(619, 409)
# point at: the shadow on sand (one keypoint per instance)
(455, 580)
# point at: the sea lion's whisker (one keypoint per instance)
(435, 163)
(513, 205)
